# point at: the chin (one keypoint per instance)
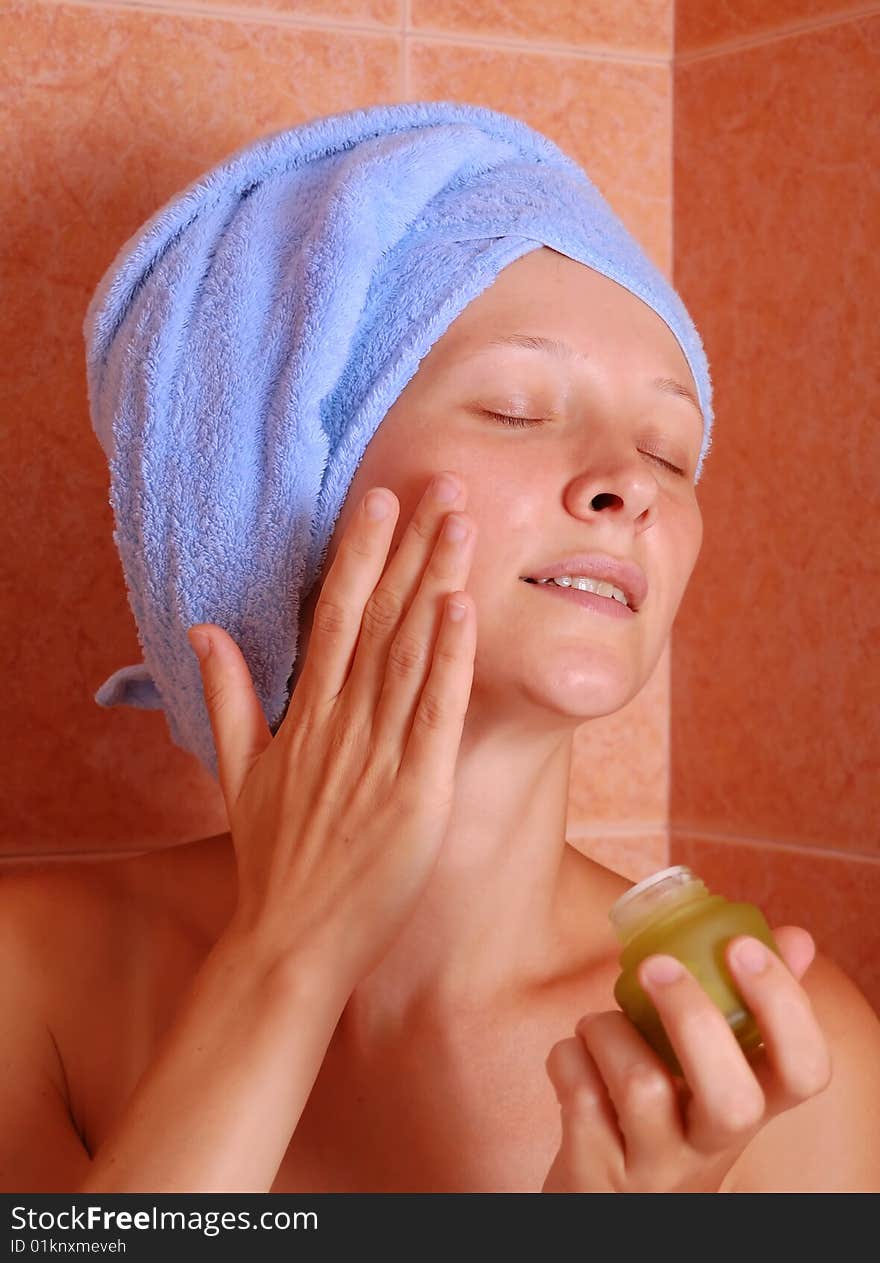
(578, 678)
(589, 700)
(575, 692)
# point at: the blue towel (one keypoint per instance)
(245, 344)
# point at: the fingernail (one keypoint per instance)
(444, 489)
(584, 1022)
(662, 969)
(751, 955)
(377, 506)
(201, 644)
(454, 529)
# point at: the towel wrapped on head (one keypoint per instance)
(245, 344)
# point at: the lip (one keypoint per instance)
(589, 600)
(625, 575)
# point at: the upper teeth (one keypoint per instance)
(584, 584)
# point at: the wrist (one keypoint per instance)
(295, 973)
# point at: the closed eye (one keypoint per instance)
(516, 420)
(524, 421)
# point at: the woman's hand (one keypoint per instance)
(337, 821)
(628, 1125)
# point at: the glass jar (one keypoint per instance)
(673, 912)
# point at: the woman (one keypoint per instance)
(394, 973)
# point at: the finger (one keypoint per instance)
(589, 1120)
(349, 584)
(420, 663)
(796, 946)
(432, 747)
(642, 1091)
(727, 1104)
(796, 1060)
(422, 549)
(238, 722)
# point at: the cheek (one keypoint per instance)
(678, 565)
(494, 579)
(689, 541)
(675, 542)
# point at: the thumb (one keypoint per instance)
(238, 723)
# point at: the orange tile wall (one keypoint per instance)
(775, 715)
(725, 136)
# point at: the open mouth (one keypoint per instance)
(594, 601)
(588, 585)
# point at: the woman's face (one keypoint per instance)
(586, 477)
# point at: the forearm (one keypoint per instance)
(215, 1109)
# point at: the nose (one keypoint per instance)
(621, 487)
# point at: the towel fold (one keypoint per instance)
(245, 344)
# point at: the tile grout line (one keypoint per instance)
(60, 857)
(628, 829)
(672, 138)
(791, 31)
(772, 844)
(407, 17)
(582, 52)
(404, 50)
(501, 43)
(232, 14)
(611, 833)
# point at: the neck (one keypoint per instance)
(497, 917)
(510, 908)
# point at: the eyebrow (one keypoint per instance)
(562, 351)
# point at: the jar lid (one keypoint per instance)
(677, 875)
(646, 899)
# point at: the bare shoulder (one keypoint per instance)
(591, 887)
(63, 923)
(588, 889)
(842, 1007)
(44, 906)
(830, 1143)
(76, 896)
(50, 918)
(92, 955)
